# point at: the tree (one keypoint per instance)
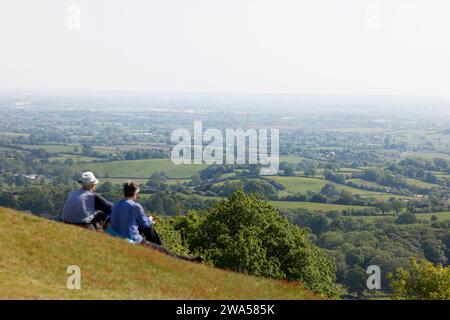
(105, 187)
(422, 281)
(383, 206)
(318, 198)
(310, 172)
(69, 162)
(329, 190)
(246, 234)
(170, 205)
(35, 200)
(19, 181)
(8, 200)
(406, 218)
(356, 280)
(434, 251)
(155, 204)
(319, 223)
(345, 197)
(396, 205)
(289, 170)
(87, 150)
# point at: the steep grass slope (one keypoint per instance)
(35, 254)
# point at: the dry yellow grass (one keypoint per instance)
(35, 254)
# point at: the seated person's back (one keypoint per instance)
(127, 217)
(84, 206)
(79, 207)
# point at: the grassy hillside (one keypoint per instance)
(35, 254)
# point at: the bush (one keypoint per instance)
(246, 234)
(170, 237)
(422, 281)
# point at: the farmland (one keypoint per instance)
(141, 169)
(324, 207)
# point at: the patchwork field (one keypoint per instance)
(305, 184)
(289, 205)
(141, 168)
(442, 216)
(421, 184)
(366, 183)
(74, 158)
(52, 148)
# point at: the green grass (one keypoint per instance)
(421, 184)
(312, 206)
(7, 149)
(314, 184)
(142, 180)
(300, 184)
(358, 130)
(228, 175)
(74, 158)
(292, 159)
(442, 175)
(305, 184)
(427, 155)
(366, 183)
(54, 148)
(13, 134)
(35, 254)
(349, 170)
(141, 168)
(373, 218)
(442, 216)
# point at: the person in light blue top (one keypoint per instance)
(129, 221)
(127, 218)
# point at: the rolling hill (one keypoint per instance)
(36, 252)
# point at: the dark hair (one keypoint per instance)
(130, 188)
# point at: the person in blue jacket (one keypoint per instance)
(129, 221)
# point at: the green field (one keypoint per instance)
(366, 183)
(74, 158)
(442, 175)
(427, 155)
(349, 170)
(53, 148)
(358, 130)
(142, 169)
(6, 149)
(13, 134)
(36, 253)
(305, 184)
(287, 205)
(292, 159)
(421, 184)
(442, 216)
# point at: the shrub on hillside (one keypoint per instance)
(246, 234)
(170, 237)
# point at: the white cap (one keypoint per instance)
(88, 178)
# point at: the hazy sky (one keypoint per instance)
(295, 46)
